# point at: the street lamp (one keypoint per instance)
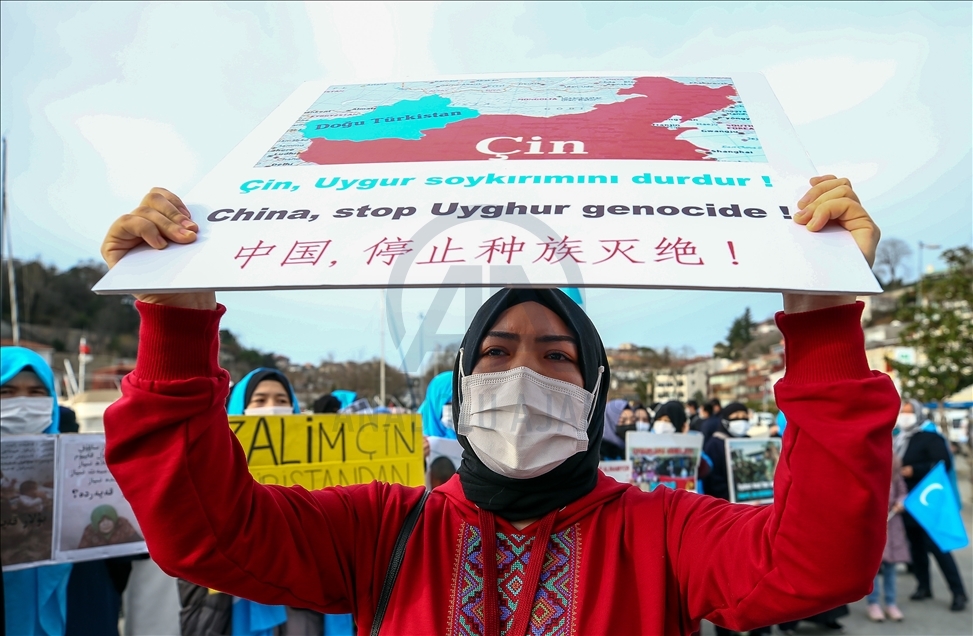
(922, 246)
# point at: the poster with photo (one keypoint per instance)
(27, 498)
(666, 459)
(94, 520)
(751, 464)
(618, 469)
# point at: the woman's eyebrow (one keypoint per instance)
(505, 335)
(556, 338)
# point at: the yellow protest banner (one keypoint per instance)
(316, 451)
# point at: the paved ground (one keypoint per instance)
(927, 618)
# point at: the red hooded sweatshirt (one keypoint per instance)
(616, 561)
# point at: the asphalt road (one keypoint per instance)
(926, 618)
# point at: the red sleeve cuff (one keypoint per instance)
(825, 345)
(177, 343)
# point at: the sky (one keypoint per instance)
(102, 101)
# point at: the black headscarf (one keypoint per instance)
(675, 412)
(266, 374)
(731, 408)
(518, 499)
(327, 403)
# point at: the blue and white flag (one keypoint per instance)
(933, 504)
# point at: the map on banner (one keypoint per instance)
(649, 118)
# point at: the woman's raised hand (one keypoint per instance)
(161, 217)
(832, 200)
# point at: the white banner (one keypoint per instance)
(611, 181)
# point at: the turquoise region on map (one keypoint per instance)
(516, 119)
(404, 119)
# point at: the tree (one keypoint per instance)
(645, 388)
(941, 332)
(890, 261)
(738, 337)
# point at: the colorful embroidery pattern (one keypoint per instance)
(553, 611)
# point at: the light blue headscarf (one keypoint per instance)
(13, 360)
(35, 599)
(574, 294)
(235, 405)
(251, 618)
(439, 393)
(346, 398)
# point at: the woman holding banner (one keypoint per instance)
(529, 533)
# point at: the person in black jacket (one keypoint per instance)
(715, 434)
(919, 446)
(692, 412)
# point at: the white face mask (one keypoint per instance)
(739, 428)
(663, 427)
(642, 426)
(522, 424)
(25, 415)
(447, 417)
(269, 410)
(906, 421)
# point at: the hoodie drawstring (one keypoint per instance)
(532, 577)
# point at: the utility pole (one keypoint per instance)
(11, 275)
(922, 246)
(84, 356)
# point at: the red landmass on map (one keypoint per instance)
(622, 130)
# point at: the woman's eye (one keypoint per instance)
(557, 355)
(493, 351)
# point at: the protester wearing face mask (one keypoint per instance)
(35, 599)
(613, 439)
(627, 421)
(670, 418)
(919, 447)
(528, 504)
(643, 420)
(716, 483)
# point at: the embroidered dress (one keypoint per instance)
(553, 611)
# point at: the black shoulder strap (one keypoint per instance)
(398, 554)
